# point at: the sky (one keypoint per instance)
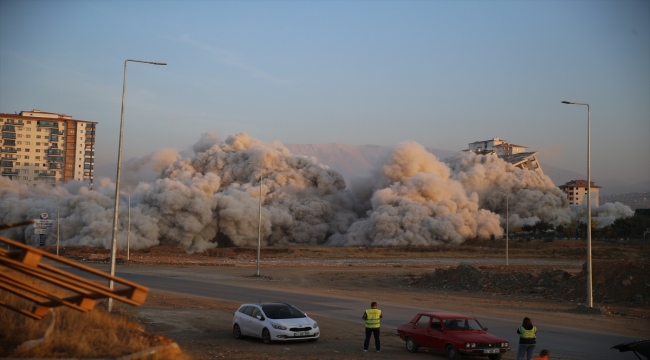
(442, 73)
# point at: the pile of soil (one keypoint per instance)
(614, 281)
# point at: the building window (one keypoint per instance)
(19, 142)
(26, 164)
(29, 122)
(35, 171)
(19, 135)
(38, 158)
(39, 130)
(38, 150)
(26, 156)
(38, 144)
(28, 129)
(81, 131)
(28, 136)
(38, 136)
(27, 150)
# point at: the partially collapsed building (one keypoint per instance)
(514, 154)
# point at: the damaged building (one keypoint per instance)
(517, 155)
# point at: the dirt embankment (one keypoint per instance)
(613, 281)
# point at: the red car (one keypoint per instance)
(455, 334)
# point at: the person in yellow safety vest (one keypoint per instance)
(527, 339)
(372, 316)
(543, 355)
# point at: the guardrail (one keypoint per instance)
(84, 292)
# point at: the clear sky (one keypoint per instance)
(442, 73)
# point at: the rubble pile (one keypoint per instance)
(613, 281)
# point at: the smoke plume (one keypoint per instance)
(210, 196)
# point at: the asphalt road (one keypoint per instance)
(563, 342)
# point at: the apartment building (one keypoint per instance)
(41, 147)
(576, 190)
(511, 153)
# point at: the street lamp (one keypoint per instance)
(259, 230)
(117, 179)
(590, 299)
(507, 225)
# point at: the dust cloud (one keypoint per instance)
(210, 195)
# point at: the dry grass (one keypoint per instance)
(95, 334)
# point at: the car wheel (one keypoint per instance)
(266, 336)
(411, 346)
(453, 354)
(495, 357)
(236, 332)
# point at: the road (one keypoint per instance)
(564, 342)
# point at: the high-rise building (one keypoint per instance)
(511, 153)
(40, 147)
(576, 191)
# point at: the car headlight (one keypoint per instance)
(470, 345)
(473, 345)
(278, 326)
(504, 344)
(315, 326)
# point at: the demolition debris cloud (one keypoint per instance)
(209, 197)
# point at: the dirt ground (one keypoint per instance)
(535, 284)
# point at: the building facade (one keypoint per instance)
(576, 190)
(511, 153)
(40, 147)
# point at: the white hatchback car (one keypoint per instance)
(273, 322)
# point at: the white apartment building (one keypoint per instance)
(40, 147)
(514, 154)
(576, 190)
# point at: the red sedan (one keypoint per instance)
(454, 334)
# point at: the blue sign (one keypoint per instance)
(41, 240)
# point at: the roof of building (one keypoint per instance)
(578, 183)
(509, 144)
(62, 117)
(515, 159)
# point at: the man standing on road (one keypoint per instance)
(372, 316)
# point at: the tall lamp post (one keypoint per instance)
(117, 179)
(259, 231)
(590, 299)
(507, 224)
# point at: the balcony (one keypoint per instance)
(53, 151)
(4, 163)
(9, 128)
(91, 126)
(10, 158)
(10, 151)
(91, 133)
(9, 143)
(15, 122)
(90, 140)
(54, 166)
(89, 153)
(8, 135)
(56, 132)
(89, 160)
(55, 159)
(47, 174)
(88, 166)
(9, 172)
(52, 124)
(53, 138)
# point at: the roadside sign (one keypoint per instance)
(44, 216)
(43, 226)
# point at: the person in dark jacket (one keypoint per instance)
(527, 339)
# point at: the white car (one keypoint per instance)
(273, 322)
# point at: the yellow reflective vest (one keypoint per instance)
(527, 334)
(372, 318)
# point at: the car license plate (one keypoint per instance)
(491, 351)
(301, 334)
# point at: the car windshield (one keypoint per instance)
(282, 312)
(462, 324)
